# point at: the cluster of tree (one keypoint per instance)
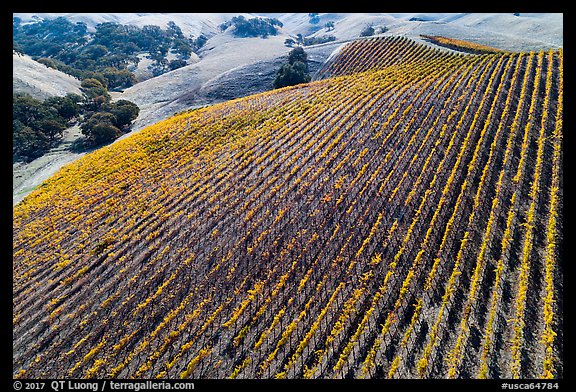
(198, 42)
(112, 78)
(307, 41)
(314, 18)
(109, 122)
(109, 50)
(49, 37)
(295, 71)
(38, 126)
(369, 30)
(253, 27)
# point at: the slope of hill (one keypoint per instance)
(41, 82)
(191, 24)
(172, 92)
(398, 222)
(370, 54)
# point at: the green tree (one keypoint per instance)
(52, 128)
(296, 71)
(367, 31)
(253, 27)
(119, 78)
(27, 109)
(103, 133)
(199, 42)
(173, 30)
(318, 40)
(37, 125)
(95, 75)
(95, 52)
(183, 48)
(177, 63)
(67, 107)
(300, 39)
(93, 88)
(27, 143)
(291, 74)
(298, 54)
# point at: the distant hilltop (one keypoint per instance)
(399, 218)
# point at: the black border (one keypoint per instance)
(260, 6)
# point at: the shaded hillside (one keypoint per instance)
(399, 222)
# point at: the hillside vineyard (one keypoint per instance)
(400, 218)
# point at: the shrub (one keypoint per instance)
(50, 63)
(100, 128)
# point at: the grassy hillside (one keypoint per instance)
(399, 222)
(461, 45)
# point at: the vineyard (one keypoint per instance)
(400, 217)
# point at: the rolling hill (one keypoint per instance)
(41, 82)
(399, 218)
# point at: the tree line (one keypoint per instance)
(110, 52)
